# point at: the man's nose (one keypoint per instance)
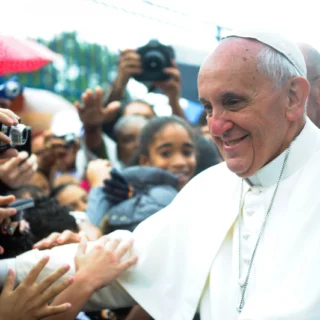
(218, 125)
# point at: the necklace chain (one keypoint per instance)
(244, 286)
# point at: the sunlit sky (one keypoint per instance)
(131, 23)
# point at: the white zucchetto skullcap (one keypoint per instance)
(281, 44)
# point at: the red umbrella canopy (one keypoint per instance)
(22, 55)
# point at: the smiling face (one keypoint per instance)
(172, 149)
(250, 120)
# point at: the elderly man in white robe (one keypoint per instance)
(241, 240)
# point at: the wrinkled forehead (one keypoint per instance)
(232, 68)
(232, 54)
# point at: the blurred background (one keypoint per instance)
(89, 34)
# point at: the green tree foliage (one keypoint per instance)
(84, 65)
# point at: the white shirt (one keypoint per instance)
(275, 251)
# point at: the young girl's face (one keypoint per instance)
(74, 197)
(172, 149)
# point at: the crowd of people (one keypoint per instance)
(127, 164)
(137, 218)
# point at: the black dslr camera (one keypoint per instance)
(20, 136)
(154, 58)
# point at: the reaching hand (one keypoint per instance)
(91, 111)
(17, 171)
(97, 171)
(58, 239)
(29, 301)
(107, 255)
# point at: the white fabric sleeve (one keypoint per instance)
(112, 296)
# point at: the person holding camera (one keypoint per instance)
(99, 116)
(131, 65)
(7, 118)
(18, 167)
(15, 170)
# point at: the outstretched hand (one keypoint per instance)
(29, 301)
(98, 170)
(91, 110)
(58, 239)
(107, 255)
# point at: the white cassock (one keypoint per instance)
(188, 252)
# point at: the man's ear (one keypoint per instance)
(298, 93)
(144, 161)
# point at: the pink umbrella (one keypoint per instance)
(22, 55)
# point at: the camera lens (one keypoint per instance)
(153, 61)
(19, 135)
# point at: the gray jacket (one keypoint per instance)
(154, 189)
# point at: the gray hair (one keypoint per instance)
(275, 66)
(124, 122)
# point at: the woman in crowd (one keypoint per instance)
(72, 195)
